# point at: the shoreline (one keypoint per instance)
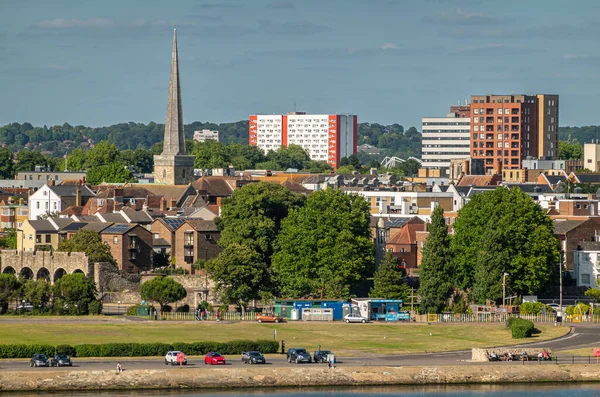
(260, 377)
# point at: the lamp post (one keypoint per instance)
(118, 307)
(560, 265)
(206, 273)
(504, 291)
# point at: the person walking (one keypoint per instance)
(119, 368)
(180, 359)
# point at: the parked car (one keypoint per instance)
(554, 306)
(268, 317)
(355, 318)
(39, 360)
(298, 355)
(253, 358)
(320, 356)
(171, 358)
(214, 358)
(61, 360)
(25, 307)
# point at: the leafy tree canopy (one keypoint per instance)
(7, 165)
(504, 229)
(9, 289)
(388, 281)
(9, 241)
(73, 294)
(162, 290)
(89, 242)
(325, 247)
(570, 150)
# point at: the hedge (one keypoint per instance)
(521, 328)
(138, 349)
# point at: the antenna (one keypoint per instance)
(295, 106)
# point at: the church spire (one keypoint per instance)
(174, 142)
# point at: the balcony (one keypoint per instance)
(489, 120)
(514, 120)
(514, 136)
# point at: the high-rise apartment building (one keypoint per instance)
(506, 129)
(446, 138)
(325, 137)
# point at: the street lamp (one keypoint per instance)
(206, 273)
(118, 307)
(504, 291)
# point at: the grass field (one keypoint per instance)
(343, 338)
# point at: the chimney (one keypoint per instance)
(465, 167)
(83, 180)
(498, 168)
(50, 182)
(525, 176)
(172, 203)
(163, 204)
(78, 197)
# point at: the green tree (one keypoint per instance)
(9, 288)
(7, 165)
(593, 293)
(37, 292)
(388, 280)
(491, 264)
(253, 215)
(111, 173)
(347, 169)
(354, 162)
(522, 237)
(28, 159)
(325, 248)
(102, 154)
(162, 290)
(74, 294)
(240, 274)
(570, 150)
(436, 271)
(89, 242)
(9, 241)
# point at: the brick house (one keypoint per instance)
(163, 234)
(195, 239)
(131, 246)
(403, 245)
(571, 233)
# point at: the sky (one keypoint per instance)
(98, 63)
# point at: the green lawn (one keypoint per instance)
(342, 338)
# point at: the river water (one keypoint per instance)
(535, 390)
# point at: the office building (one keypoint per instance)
(446, 138)
(325, 137)
(207, 135)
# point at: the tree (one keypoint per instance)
(162, 290)
(28, 159)
(102, 154)
(354, 162)
(116, 172)
(436, 272)
(240, 274)
(9, 289)
(7, 166)
(570, 150)
(89, 242)
(388, 278)
(511, 230)
(36, 292)
(74, 294)
(325, 248)
(160, 259)
(9, 240)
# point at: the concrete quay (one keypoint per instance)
(261, 376)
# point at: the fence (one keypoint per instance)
(191, 316)
(489, 317)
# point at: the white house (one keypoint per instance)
(51, 199)
(586, 263)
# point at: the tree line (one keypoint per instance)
(500, 236)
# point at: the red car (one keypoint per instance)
(214, 358)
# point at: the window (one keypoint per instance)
(475, 111)
(499, 111)
(476, 128)
(37, 205)
(156, 235)
(48, 238)
(188, 240)
(55, 205)
(45, 193)
(585, 279)
(115, 240)
(506, 111)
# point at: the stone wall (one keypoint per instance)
(51, 261)
(195, 285)
(255, 376)
(116, 285)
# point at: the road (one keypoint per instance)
(582, 336)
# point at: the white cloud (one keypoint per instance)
(389, 46)
(60, 23)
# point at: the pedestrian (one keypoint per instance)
(119, 367)
(180, 359)
(217, 315)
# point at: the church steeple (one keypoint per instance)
(173, 166)
(174, 142)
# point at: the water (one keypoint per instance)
(536, 390)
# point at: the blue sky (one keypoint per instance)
(102, 62)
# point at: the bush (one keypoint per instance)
(522, 328)
(95, 307)
(511, 320)
(531, 308)
(132, 310)
(183, 309)
(138, 349)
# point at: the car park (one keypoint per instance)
(320, 356)
(39, 360)
(268, 317)
(171, 358)
(253, 357)
(355, 318)
(298, 355)
(61, 360)
(214, 358)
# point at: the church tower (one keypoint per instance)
(173, 166)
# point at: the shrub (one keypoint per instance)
(511, 320)
(522, 328)
(183, 309)
(531, 308)
(95, 307)
(132, 310)
(138, 349)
